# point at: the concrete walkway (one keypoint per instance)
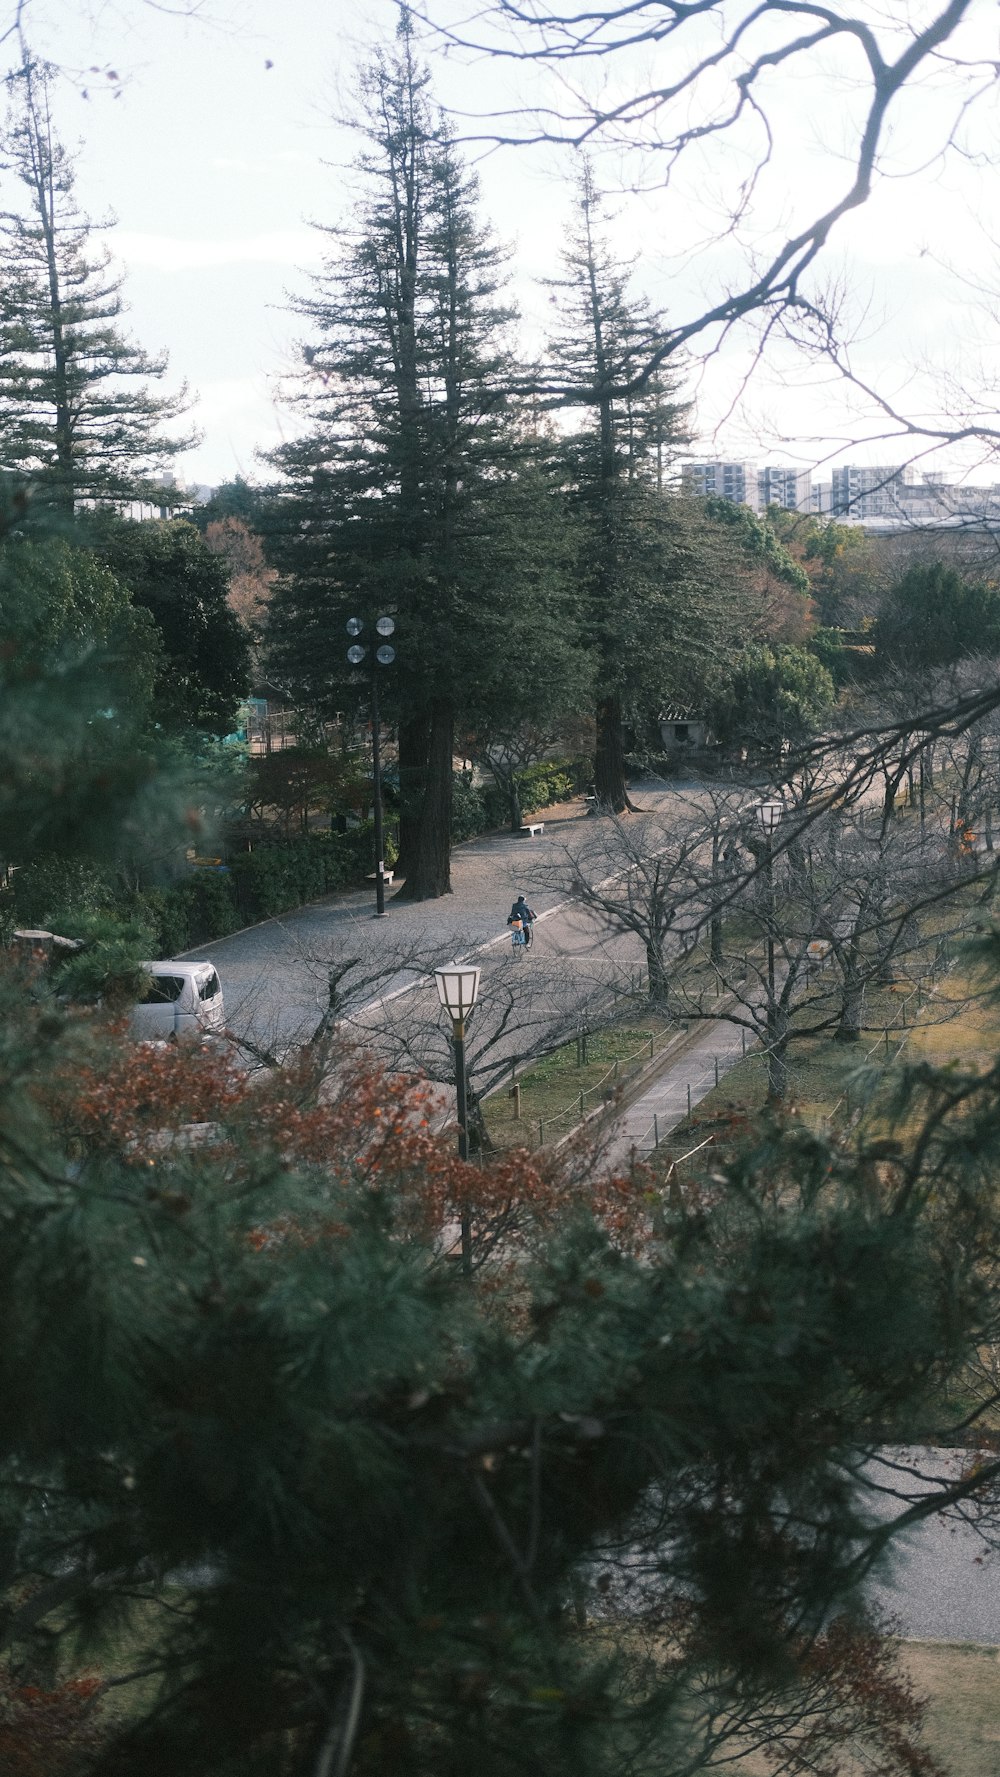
(686, 1079)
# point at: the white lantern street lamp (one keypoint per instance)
(769, 814)
(458, 990)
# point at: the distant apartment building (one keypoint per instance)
(868, 490)
(882, 496)
(724, 481)
(790, 488)
(891, 499)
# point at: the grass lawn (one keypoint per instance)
(550, 1091)
(962, 1727)
(828, 1081)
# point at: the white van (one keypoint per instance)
(183, 999)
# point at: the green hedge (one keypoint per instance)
(273, 878)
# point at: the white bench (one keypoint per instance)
(387, 876)
(533, 827)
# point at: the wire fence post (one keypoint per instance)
(689, 1098)
(651, 1041)
(716, 1070)
(581, 1104)
(743, 1041)
(656, 1130)
(541, 1133)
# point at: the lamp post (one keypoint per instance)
(769, 814)
(458, 989)
(384, 655)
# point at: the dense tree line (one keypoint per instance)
(530, 546)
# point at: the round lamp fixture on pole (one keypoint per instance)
(385, 626)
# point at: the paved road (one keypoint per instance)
(275, 976)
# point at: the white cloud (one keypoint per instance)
(167, 253)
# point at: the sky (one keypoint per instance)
(220, 142)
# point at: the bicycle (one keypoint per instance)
(518, 941)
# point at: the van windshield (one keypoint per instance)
(163, 990)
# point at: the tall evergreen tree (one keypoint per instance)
(77, 413)
(616, 457)
(404, 495)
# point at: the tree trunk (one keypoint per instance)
(777, 1055)
(609, 763)
(849, 1028)
(413, 743)
(514, 804)
(656, 970)
(429, 868)
(715, 923)
(715, 929)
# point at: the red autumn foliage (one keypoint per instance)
(148, 1103)
(44, 1733)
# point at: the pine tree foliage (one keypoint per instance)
(258, 1432)
(78, 414)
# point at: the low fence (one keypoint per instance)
(586, 1100)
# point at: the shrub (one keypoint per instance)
(550, 780)
(107, 966)
(468, 809)
(52, 883)
(273, 878)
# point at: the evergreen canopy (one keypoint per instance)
(78, 416)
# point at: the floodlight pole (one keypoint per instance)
(377, 793)
(381, 656)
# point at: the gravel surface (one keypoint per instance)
(942, 1583)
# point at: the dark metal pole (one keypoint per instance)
(377, 780)
(461, 1095)
(771, 1009)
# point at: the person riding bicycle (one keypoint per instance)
(525, 914)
